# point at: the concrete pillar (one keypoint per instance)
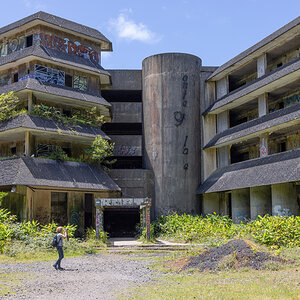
(172, 129)
(30, 101)
(27, 143)
(222, 87)
(263, 104)
(284, 199)
(260, 201)
(222, 121)
(264, 145)
(209, 162)
(211, 91)
(240, 200)
(210, 203)
(223, 156)
(261, 65)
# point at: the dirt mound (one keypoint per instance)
(234, 254)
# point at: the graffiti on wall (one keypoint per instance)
(13, 45)
(125, 150)
(71, 47)
(293, 99)
(50, 75)
(263, 148)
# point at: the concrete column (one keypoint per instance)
(27, 143)
(264, 145)
(222, 121)
(261, 65)
(284, 199)
(240, 201)
(210, 203)
(223, 156)
(263, 104)
(209, 162)
(222, 87)
(260, 201)
(30, 101)
(211, 91)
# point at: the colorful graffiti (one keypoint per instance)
(125, 150)
(71, 47)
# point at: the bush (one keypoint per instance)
(276, 231)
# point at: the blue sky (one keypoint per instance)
(215, 31)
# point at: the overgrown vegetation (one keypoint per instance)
(10, 106)
(272, 231)
(90, 118)
(30, 239)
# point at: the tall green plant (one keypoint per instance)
(9, 106)
(100, 150)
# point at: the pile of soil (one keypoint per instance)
(234, 254)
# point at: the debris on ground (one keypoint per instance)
(235, 254)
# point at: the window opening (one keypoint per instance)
(13, 150)
(59, 205)
(281, 105)
(50, 75)
(29, 41)
(16, 77)
(69, 80)
(80, 82)
(283, 147)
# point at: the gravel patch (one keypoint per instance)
(101, 276)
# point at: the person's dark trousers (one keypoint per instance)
(60, 257)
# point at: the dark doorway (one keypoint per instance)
(121, 222)
(59, 208)
(88, 211)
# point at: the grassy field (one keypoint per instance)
(277, 281)
(243, 284)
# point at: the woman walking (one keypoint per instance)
(59, 247)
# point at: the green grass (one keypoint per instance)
(243, 284)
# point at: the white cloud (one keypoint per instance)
(35, 4)
(129, 30)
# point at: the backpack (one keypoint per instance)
(55, 241)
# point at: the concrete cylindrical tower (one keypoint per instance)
(171, 108)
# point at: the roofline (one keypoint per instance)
(60, 24)
(254, 48)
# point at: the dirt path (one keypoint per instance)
(101, 276)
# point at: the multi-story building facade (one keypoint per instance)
(195, 139)
(251, 130)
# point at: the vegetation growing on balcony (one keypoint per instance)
(10, 106)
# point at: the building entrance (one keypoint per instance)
(121, 222)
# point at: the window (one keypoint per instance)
(50, 75)
(281, 105)
(44, 149)
(69, 80)
(29, 41)
(80, 82)
(59, 208)
(16, 77)
(67, 112)
(13, 150)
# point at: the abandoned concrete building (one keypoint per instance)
(193, 138)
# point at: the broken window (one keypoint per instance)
(80, 82)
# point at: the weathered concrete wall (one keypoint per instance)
(211, 203)
(284, 199)
(127, 145)
(126, 79)
(134, 182)
(42, 206)
(240, 205)
(171, 108)
(260, 201)
(126, 112)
